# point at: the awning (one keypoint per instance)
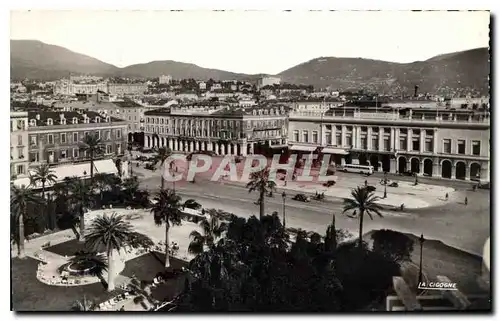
(338, 151)
(303, 148)
(279, 146)
(106, 166)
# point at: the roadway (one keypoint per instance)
(453, 223)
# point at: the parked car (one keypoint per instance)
(329, 183)
(301, 198)
(371, 188)
(394, 184)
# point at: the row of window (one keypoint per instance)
(62, 154)
(17, 125)
(475, 147)
(223, 123)
(75, 136)
(74, 120)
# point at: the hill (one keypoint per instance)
(38, 60)
(465, 70)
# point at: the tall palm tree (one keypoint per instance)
(331, 236)
(43, 174)
(84, 305)
(113, 233)
(362, 202)
(212, 230)
(102, 181)
(20, 197)
(93, 146)
(259, 181)
(167, 210)
(160, 157)
(81, 197)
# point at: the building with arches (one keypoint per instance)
(216, 127)
(438, 142)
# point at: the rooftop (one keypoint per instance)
(56, 117)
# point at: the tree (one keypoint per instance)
(192, 204)
(362, 202)
(212, 230)
(98, 262)
(331, 236)
(395, 245)
(130, 187)
(113, 233)
(93, 146)
(20, 197)
(82, 198)
(43, 174)
(259, 181)
(102, 181)
(160, 157)
(83, 305)
(167, 210)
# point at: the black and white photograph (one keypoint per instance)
(250, 161)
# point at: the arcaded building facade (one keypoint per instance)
(437, 142)
(216, 127)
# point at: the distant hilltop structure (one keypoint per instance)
(165, 79)
(268, 81)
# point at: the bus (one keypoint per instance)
(362, 169)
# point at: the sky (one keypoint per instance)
(253, 41)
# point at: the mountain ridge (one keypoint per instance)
(468, 70)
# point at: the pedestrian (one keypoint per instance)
(366, 182)
(402, 207)
(466, 201)
(285, 182)
(446, 196)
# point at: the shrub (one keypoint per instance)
(392, 244)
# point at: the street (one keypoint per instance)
(453, 223)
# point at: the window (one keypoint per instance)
(461, 147)
(50, 139)
(20, 153)
(328, 138)
(19, 140)
(447, 146)
(118, 149)
(98, 134)
(364, 142)
(75, 120)
(97, 119)
(387, 144)
(20, 169)
(315, 137)
(108, 149)
(75, 152)
(108, 135)
(33, 157)
(428, 145)
(118, 133)
(33, 140)
(85, 134)
(402, 143)
(338, 139)
(375, 142)
(49, 122)
(33, 122)
(415, 144)
(476, 147)
(63, 154)
(63, 121)
(63, 138)
(75, 137)
(348, 140)
(305, 136)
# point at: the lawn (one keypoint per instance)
(147, 266)
(29, 294)
(69, 248)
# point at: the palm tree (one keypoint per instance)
(20, 197)
(130, 187)
(212, 229)
(113, 233)
(93, 146)
(362, 201)
(331, 236)
(44, 175)
(160, 157)
(167, 210)
(102, 181)
(259, 181)
(83, 305)
(81, 197)
(98, 261)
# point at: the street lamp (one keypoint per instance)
(421, 240)
(385, 184)
(284, 216)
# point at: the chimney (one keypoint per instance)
(416, 91)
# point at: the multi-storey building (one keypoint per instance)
(127, 89)
(66, 87)
(165, 79)
(216, 127)
(56, 138)
(438, 142)
(268, 81)
(18, 144)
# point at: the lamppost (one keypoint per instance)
(385, 184)
(284, 215)
(421, 240)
